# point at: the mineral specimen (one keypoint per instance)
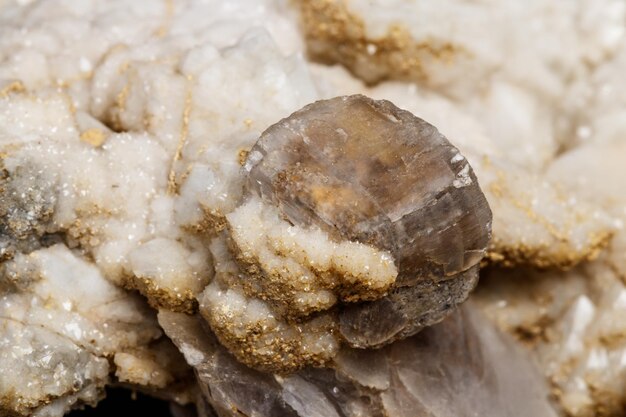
(460, 367)
(353, 208)
(123, 130)
(573, 321)
(549, 229)
(68, 343)
(369, 172)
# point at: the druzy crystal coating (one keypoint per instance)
(122, 140)
(366, 171)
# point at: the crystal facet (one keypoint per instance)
(366, 171)
(460, 367)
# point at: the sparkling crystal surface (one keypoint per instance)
(124, 127)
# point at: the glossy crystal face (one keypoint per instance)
(366, 171)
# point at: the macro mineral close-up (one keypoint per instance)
(314, 208)
(360, 223)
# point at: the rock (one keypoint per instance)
(365, 171)
(404, 310)
(533, 224)
(228, 385)
(120, 164)
(460, 367)
(63, 326)
(573, 321)
(359, 223)
(26, 205)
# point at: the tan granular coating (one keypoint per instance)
(279, 356)
(506, 255)
(280, 290)
(334, 35)
(158, 297)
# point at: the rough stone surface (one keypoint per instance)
(573, 322)
(60, 323)
(26, 205)
(124, 126)
(534, 221)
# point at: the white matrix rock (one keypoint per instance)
(124, 129)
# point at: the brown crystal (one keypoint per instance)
(367, 171)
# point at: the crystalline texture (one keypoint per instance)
(26, 204)
(66, 332)
(366, 171)
(461, 367)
